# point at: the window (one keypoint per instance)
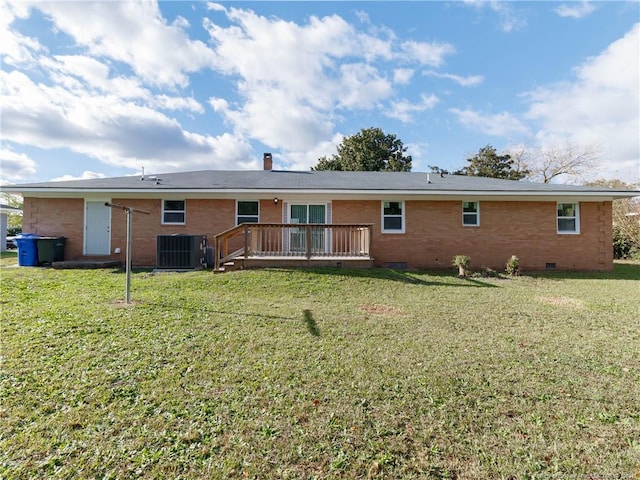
(174, 211)
(393, 217)
(247, 212)
(568, 218)
(470, 214)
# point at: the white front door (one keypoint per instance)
(97, 228)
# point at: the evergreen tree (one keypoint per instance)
(487, 163)
(368, 150)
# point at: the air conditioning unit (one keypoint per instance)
(182, 251)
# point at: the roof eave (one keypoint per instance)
(338, 193)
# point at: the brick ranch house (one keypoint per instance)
(269, 217)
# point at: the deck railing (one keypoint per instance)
(293, 240)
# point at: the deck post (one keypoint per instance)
(308, 240)
(246, 241)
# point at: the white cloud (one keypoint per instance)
(15, 167)
(133, 33)
(15, 48)
(86, 175)
(431, 54)
(601, 106)
(302, 160)
(460, 80)
(510, 19)
(270, 116)
(177, 103)
(362, 86)
(501, 124)
(575, 10)
(114, 90)
(402, 76)
(296, 79)
(110, 129)
(216, 7)
(403, 110)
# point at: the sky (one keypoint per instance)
(104, 89)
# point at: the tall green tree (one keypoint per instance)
(368, 150)
(487, 163)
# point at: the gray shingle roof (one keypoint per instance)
(312, 181)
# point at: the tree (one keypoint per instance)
(546, 163)
(437, 169)
(487, 163)
(368, 150)
(626, 220)
(14, 221)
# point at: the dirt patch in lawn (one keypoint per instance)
(562, 302)
(378, 309)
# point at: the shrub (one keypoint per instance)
(624, 245)
(462, 262)
(513, 265)
(486, 272)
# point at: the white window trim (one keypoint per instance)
(577, 219)
(382, 217)
(238, 215)
(184, 211)
(477, 213)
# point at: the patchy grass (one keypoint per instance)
(9, 258)
(319, 374)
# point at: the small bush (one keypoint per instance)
(486, 272)
(462, 262)
(513, 265)
(625, 246)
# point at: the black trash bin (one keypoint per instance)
(50, 249)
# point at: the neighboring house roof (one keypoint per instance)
(338, 184)
(9, 209)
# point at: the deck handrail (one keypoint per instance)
(308, 240)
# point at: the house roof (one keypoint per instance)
(268, 182)
(9, 209)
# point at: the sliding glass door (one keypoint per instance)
(307, 214)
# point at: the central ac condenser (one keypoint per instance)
(182, 251)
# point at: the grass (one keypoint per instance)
(319, 374)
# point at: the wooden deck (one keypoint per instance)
(301, 262)
(254, 245)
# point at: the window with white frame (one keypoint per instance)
(247, 212)
(568, 218)
(392, 217)
(470, 214)
(174, 212)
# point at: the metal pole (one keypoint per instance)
(128, 267)
(129, 211)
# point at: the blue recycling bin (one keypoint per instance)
(27, 249)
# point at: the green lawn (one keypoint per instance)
(319, 374)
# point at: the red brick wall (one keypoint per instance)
(56, 217)
(433, 235)
(203, 217)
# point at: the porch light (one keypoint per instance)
(275, 201)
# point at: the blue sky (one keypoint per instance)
(92, 89)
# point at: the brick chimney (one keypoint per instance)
(268, 161)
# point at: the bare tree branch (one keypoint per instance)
(547, 163)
